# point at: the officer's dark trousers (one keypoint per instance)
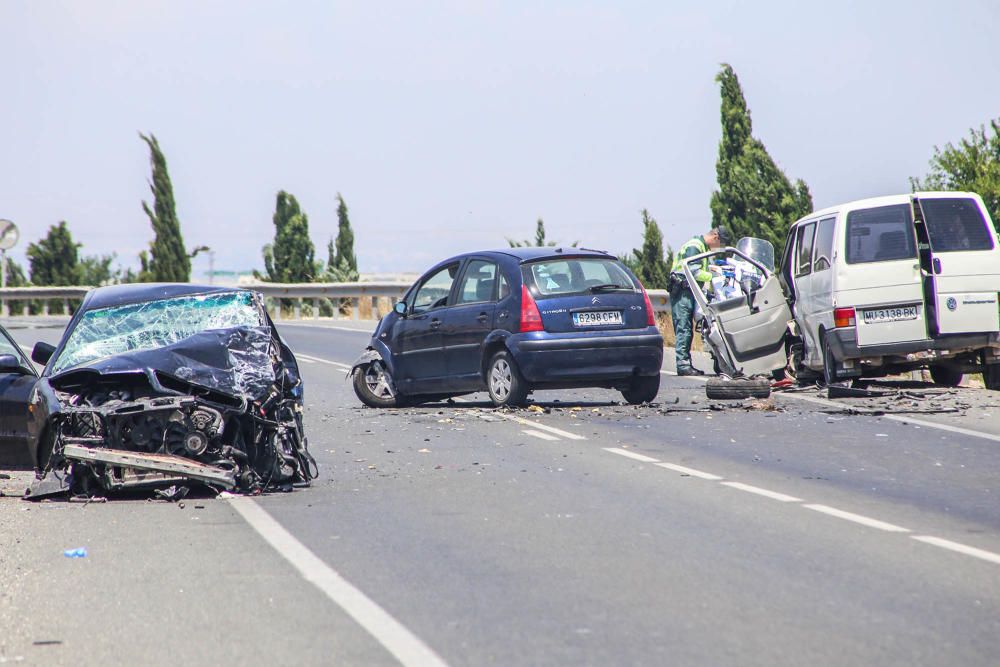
(682, 312)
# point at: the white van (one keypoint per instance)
(880, 286)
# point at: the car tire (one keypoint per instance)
(991, 376)
(946, 375)
(504, 381)
(372, 384)
(722, 389)
(642, 389)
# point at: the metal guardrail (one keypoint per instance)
(347, 300)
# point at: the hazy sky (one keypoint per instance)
(449, 126)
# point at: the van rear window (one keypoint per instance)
(955, 225)
(880, 234)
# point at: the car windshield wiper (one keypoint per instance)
(607, 287)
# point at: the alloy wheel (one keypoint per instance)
(376, 382)
(500, 379)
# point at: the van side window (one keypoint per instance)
(824, 245)
(804, 249)
(956, 225)
(880, 234)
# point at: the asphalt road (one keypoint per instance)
(591, 533)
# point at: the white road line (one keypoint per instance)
(631, 455)
(309, 357)
(389, 632)
(539, 434)
(960, 548)
(551, 429)
(304, 359)
(857, 518)
(773, 495)
(367, 332)
(684, 470)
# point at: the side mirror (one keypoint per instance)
(400, 308)
(9, 363)
(42, 352)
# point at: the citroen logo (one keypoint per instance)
(595, 301)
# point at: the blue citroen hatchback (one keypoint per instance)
(511, 322)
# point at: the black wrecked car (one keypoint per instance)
(160, 385)
(17, 380)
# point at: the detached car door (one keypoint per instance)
(15, 390)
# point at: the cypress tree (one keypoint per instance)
(290, 259)
(341, 263)
(755, 197)
(168, 261)
(54, 260)
(650, 266)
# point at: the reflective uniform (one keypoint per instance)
(682, 302)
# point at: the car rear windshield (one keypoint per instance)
(575, 275)
(880, 234)
(956, 224)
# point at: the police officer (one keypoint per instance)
(682, 300)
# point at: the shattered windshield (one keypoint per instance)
(153, 324)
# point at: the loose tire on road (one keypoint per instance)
(372, 384)
(946, 376)
(504, 381)
(642, 389)
(720, 388)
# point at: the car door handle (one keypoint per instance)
(483, 317)
(435, 323)
(937, 265)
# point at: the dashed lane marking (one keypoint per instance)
(538, 434)
(632, 455)
(551, 429)
(390, 633)
(684, 470)
(858, 518)
(960, 548)
(773, 495)
(310, 358)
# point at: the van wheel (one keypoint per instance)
(642, 389)
(721, 388)
(946, 376)
(991, 376)
(829, 364)
(373, 385)
(504, 381)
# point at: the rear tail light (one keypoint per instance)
(843, 317)
(531, 319)
(650, 315)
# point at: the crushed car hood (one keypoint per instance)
(235, 361)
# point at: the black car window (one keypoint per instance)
(582, 275)
(504, 291)
(434, 291)
(7, 346)
(479, 282)
(824, 245)
(804, 249)
(880, 234)
(955, 225)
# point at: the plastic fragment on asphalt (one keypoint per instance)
(79, 552)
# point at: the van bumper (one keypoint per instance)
(844, 344)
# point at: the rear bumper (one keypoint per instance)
(587, 356)
(844, 344)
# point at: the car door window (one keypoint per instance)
(479, 282)
(803, 249)
(824, 245)
(7, 346)
(433, 292)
